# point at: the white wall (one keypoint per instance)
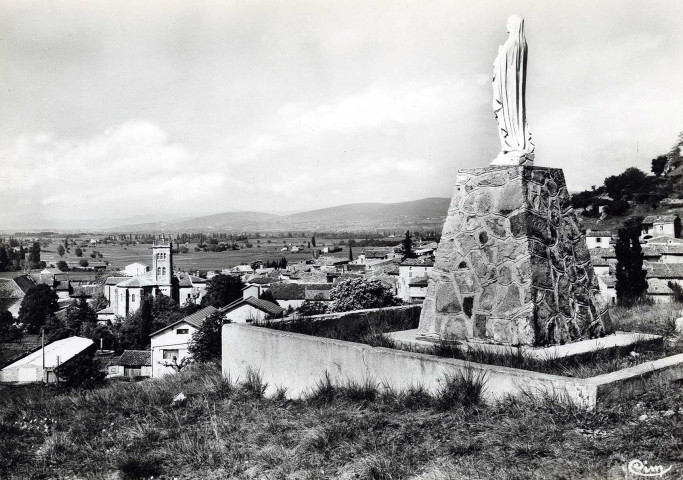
(597, 242)
(244, 313)
(170, 340)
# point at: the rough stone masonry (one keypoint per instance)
(512, 266)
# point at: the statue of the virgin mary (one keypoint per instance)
(509, 97)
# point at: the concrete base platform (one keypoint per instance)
(409, 339)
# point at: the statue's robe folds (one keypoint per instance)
(509, 103)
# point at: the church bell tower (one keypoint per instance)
(162, 263)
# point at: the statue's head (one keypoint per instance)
(515, 28)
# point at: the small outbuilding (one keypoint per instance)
(132, 364)
(42, 364)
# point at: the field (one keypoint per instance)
(119, 256)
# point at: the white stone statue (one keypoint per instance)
(509, 97)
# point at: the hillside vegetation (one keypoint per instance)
(227, 430)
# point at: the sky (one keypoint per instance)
(120, 109)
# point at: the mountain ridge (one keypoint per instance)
(426, 212)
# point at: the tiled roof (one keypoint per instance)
(115, 280)
(418, 262)
(656, 286)
(651, 219)
(146, 280)
(599, 262)
(419, 282)
(599, 233)
(84, 290)
(664, 270)
(263, 305)
(106, 311)
(262, 280)
(135, 358)
(24, 282)
(602, 252)
(288, 291)
(63, 286)
(319, 286)
(608, 280)
(196, 319)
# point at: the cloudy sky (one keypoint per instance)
(124, 108)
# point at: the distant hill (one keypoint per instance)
(425, 213)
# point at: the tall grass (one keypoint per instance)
(368, 328)
(360, 430)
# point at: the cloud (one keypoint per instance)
(128, 169)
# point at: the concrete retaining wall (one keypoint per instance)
(298, 362)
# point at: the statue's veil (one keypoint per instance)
(515, 28)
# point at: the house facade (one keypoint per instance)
(661, 225)
(598, 238)
(410, 270)
(170, 344)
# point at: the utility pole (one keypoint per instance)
(42, 331)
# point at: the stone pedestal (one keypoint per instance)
(512, 266)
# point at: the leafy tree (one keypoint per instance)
(309, 308)
(4, 259)
(80, 314)
(359, 293)
(659, 164)
(62, 265)
(222, 290)
(631, 283)
(78, 252)
(83, 262)
(34, 255)
(268, 295)
(205, 345)
(407, 245)
(61, 251)
(38, 305)
(625, 184)
(8, 329)
(618, 207)
(81, 371)
(146, 320)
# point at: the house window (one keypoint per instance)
(598, 240)
(158, 270)
(182, 331)
(132, 298)
(163, 270)
(170, 354)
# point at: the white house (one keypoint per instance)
(409, 270)
(598, 238)
(607, 289)
(661, 225)
(131, 363)
(247, 310)
(172, 341)
(30, 368)
(135, 269)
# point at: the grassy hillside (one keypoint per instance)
(128, 430)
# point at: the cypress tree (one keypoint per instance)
(631, 285)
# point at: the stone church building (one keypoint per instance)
(125, 293)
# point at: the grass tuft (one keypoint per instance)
(253, 385)
(462, 389)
